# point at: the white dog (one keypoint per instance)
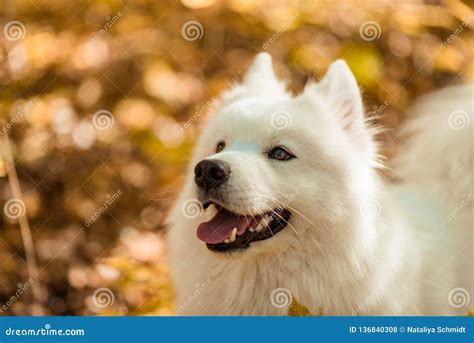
(293, 206)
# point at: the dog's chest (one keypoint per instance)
(260, 287)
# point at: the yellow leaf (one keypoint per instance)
(298, 310)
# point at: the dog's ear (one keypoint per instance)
(260, 72)
(339, 87)
(260, 78)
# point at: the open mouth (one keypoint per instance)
(228, 231)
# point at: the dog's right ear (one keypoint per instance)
(259, 78)
(260, 72)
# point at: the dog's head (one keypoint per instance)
(278, 169)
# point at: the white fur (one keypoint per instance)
(333, 256)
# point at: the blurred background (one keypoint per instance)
(102, 99)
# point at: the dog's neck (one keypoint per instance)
(334, 276)
(318, 281)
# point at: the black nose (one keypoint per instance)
(209, 174)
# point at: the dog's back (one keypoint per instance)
(436, 160)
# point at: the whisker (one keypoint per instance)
(289, 207)
(286, 221)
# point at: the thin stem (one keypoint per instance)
(24, 227)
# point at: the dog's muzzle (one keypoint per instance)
(209, 174)
(227, 230)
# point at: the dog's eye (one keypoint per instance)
(220, 146)
(280, 153)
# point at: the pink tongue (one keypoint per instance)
(220, 227)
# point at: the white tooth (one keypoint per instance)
(252, 229)
(233, 235)
(227, 240)
(259, 227)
